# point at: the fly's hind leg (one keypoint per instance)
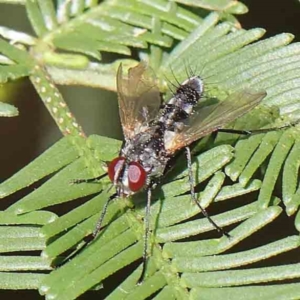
(257, 131)
(193, 194)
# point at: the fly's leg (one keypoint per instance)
(104, 210)
(146, 234)
(103, 213)
(257, 131)
(89, 180)
(193, 195)
(233, 131)
(90, 238)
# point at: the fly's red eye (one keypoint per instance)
(136, 176)
(113, 167)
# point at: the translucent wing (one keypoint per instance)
(139, 98)
(213, 117)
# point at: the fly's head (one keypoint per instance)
(128, 177)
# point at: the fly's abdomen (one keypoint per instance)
(174, 114)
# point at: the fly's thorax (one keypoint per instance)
(147, 149)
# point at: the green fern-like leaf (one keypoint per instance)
(184, 263)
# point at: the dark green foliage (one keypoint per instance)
(71, 35)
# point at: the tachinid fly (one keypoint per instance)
(150, 128)
(154, 132)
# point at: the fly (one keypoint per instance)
(154, 132)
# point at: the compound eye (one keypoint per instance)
(136, 176)
(114, 166)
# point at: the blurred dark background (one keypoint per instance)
(26, 136)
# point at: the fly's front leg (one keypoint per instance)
(89, 180)
(98, 226)
(193, 194)
(146, 232)
(90, 238)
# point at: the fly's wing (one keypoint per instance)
(214, 117)
(139, 98)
